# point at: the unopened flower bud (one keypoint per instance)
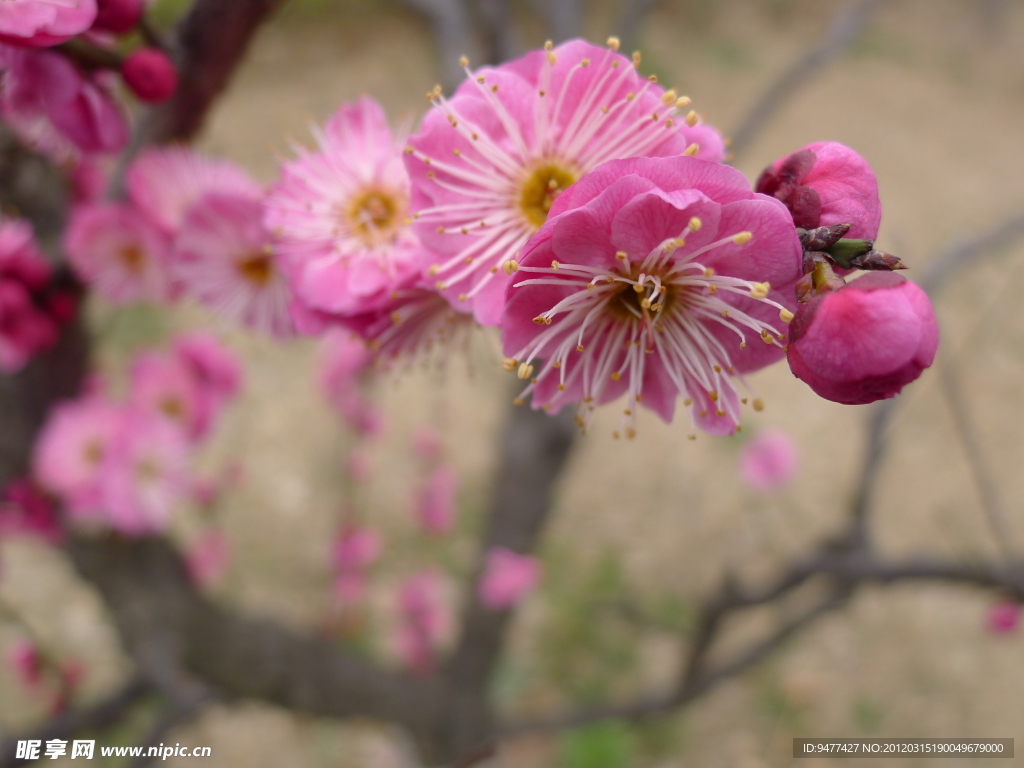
(150, 74)
(864, 341)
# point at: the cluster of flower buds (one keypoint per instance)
(34, 303)
(855, 342)
(47, 677)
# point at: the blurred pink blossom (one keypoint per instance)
(150, 74)
(769, 460)
(435, 500)
(207, 558)
(507, 577)
(426, 442)
(25, 509)
(40, 23)
(424, 619)
(27, 663)
(355, 549)
(1004, 618)
(358, 465)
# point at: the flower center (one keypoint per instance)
(256, 268)
(173, 407)
(93, 452)
(543, 184)
(372, 216)
(132, 257)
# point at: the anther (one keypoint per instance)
(555, 264)
(579, 347)
(766, 337)
(692, 150)
(463, 61)
(548, 45)
(743, 237)
(616, 376)
(683, 101)
(709, 272)
(743, 345)
(585, 63)
(785, 316)
(433, 269)
(758, 404)
(525, 370)
(510, 266)
(509, 364)
(613, 43)
(713, 395)
(636, 58)
(668, 97)
(552, 58)
(695, 224)
(462, 297)
(692, 118)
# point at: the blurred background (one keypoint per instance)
(932, 94)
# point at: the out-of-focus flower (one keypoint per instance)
(355, 549)
(223, 257)
(27, 663)
(150, 73)
(41, 23)
(426, 443)
(44, 84)
(769, 461)
(489, 163)
(358, 466)
(216, 369)
(70, 451)
(117, 16)
(207, 558)
(1003, 618)
(163, 183)
(424, 619)
(25, 509)
(823, 184)
(118, 253)
(654, 278)
(145, 473)
(507, 577)
(865, 341)
(345, 365)
(435, 500)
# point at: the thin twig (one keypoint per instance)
(845, 28)
(102, 715)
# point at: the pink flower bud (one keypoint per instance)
(435, 501)
(150, 74)
(769, 460)
(27, 663)
(1003, 618)
(507, 577)
(826, 183)
(865, 341)
(117, 16)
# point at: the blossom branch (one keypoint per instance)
(845, 28)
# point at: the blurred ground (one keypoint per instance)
(933, 96)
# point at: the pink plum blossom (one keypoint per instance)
(865, 341)
(435, 500)
(1004, 618)
(27, 662)
(118, 253)
(507, 577)
(768, 461)
(69, 453)
(217, 370)
(150, 74)
(340, 214)
(27, 327)
(207, 558)
(826, 183)
(41, 23)
(145, 474)
(424, 620)
(163, 183)
(223, 257)
(490, 161)
(355, 549)
(25, 509)
(654, 278)
(344, 369)
(43, 85)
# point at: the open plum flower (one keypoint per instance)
(340, 215)
(654, 278)
(490, 161)
(826, 183)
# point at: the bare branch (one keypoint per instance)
(97, 717)
(845, 28)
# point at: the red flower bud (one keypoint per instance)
(865, 341)
(117, 16)
(150, 74)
